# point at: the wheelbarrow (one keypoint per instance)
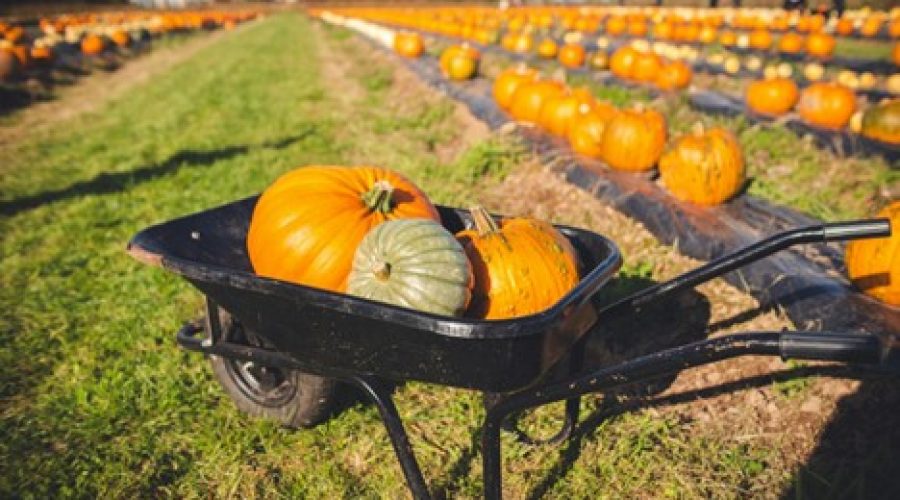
(279, 349)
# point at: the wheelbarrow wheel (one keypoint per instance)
(293, 398)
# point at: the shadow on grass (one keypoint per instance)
(107, 183)
(857, 453)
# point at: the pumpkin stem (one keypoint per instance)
(699, 129)
(484, 223)
(380, 197)
(382, 271)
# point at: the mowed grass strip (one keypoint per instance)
(97, 401)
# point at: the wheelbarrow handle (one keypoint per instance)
(836, 231)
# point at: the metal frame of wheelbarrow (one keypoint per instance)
(848, 348)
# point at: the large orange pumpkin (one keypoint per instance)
(409, 44)
(705, 167)
(874, 264)
(571, 55)
(772, 97)
(634, 139)
(508, 81)
(306, 226)
(522, 266)
(530, 97)
(92, 45)
(827, 105)
(674, 75)
(820, 45)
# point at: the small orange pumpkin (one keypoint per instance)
(622, 62)
(521, 266)
(530, 97)
(646, 67)
(895, 54)
(547, 48)
(571, 55)
(674, 75)
(760, 39)
(585, 133)
(827, 105)
(409, 44)
(557, 113)
(820, 45)
(92, 45)
(772, 97)
(459, 62)
(705, 167)
(882, 122)
(508, 81)
(791, 43)
(121, 38)
(306, 226)
(874, 264)
(634, 139)
(844, 27)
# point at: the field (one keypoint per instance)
(96, 400)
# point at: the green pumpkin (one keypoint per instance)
(882, 122)
(413, 263)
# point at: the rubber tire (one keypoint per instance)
(311, 402)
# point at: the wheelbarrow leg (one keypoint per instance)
(381, 396)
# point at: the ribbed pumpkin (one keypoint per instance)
(820, 45)
(874, 264)
(508, 81)
(413, 263)
(557, 113)
(882, 123)
(92, 45)
(622, 62)
(772, 97)
(585, 132)
(705, 167)
(547, 48)
(522, 266)
(530, 97)
(674, 75)
(634, 139)
(571, 55)
(307, 224)
(827, 105)
(791, 43)
(408, 44)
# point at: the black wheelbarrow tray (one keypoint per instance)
(278, 347)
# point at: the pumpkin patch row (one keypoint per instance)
(372, 233)
(704, 167)
(78, 39)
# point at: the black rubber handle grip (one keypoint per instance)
(854, 230)
(824, 346)
(187, 337)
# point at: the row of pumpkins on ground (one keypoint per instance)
(393, 248)
(21, 49)
(822, 104)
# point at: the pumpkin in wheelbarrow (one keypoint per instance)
(307, 225)
(521, 266)
(874, 264)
